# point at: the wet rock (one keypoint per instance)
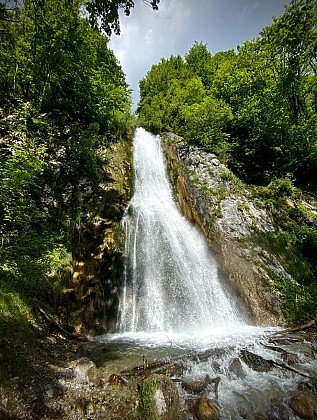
(255, 362)
(116, 380)
(304, 404)
(308, 386)
(299, 346)
(236, 368)
(159, 398)
(205, 409)
(290, 359)
(279, 411)
(195, 387)
(86, 372)
(243, 412)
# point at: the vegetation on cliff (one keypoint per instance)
(64, 103)
(255, 108)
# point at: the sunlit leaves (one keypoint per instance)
(20, 183)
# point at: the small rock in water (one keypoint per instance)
(256, 362)
(196, 387)
(290, 359)
(205, 409)
(236, 368)
(304, 404)
(310, 385)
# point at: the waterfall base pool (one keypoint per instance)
(260, 370)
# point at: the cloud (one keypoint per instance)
(147, 36)
(249, 8)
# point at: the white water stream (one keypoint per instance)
(173, 301)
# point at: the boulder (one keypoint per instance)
(236, 368)
(86, 372)
(195, 387)
(290, 359)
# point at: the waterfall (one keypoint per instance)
(171, 281)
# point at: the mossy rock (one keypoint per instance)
(159, 398)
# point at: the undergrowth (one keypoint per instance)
(33, 272)
(294, 243)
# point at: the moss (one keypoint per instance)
(243, 207)
(148, 405)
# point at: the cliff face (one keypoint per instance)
(91, 296)
(231, 218)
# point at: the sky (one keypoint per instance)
(147, 35)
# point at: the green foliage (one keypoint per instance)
(61, 65)
(294, 243)
(63, 102)
(257, 105)
(282, 187)
(33, 272)
(299, 304)
(205, 124)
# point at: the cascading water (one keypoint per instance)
(171, 280)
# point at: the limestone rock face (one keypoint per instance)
(209, 194)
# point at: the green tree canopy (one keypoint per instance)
(266, 93)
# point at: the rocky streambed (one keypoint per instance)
(271, 375)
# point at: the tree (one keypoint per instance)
(108, 12)
(292, 46)
(198, 60)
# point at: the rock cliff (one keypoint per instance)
(210, 195)
(90, 302)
